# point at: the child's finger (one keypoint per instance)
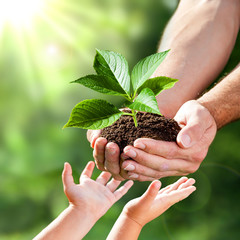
(88, 170)
(175, 185)
(103, 178)
(179, 195)
(188, 183)
(122, 190)
(164, 189)
(113, 184)
(152, 191)
(67, 177)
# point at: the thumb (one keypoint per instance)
(92, 136)
(151, 192)
(196, 120)
(67, 177)
(191, 133)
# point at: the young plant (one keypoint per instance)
(113, 78)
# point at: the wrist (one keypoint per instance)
(132, 220)
(82, 212)
(210, 107)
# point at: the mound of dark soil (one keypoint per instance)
(123, 131)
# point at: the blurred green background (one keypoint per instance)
(40, 54)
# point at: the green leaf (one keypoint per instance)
(145, 68)
(102, 84)
(113, 65)
(158, 84)
(93, 114)
(145, 102)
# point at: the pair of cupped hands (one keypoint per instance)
(150, 159)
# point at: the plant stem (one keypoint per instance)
(134, 113)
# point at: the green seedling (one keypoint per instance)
(113, 78)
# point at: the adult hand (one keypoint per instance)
(106, 155)
(152, 159)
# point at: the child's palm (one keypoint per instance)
(97, 196)
(154, 202)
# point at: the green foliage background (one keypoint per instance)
(36, 66)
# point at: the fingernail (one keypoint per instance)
(131, 153)
(129, 167)
(139, 145)
(133, 176)
(186, 140)
(157, 185)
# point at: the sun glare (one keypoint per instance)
(19, 12)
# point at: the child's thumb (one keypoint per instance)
(152, 191)
(67, 177)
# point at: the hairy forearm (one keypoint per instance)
(201, 36)
(223, 101)
(70, 224)
(124, 229)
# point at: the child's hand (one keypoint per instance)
(154, 202)
(93, 197)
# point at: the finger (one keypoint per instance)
(188, 183)
(151, 192)
(140, 178)
(175, 185)
(165, 189)
(157, 163)
(103, 178)
(67, 177)
(122, 190)
(99, 152)
(179, 195)
(92, 136)
(160, 148)
(111, 163)
(87, 171)
(113, 184)
(123, 173)
(133, 167)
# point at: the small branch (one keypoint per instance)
(134, 113)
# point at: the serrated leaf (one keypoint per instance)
(158, 84)
(145, 102)
(113, 65)
(102, 84)
(93, 114)
(145, 68)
